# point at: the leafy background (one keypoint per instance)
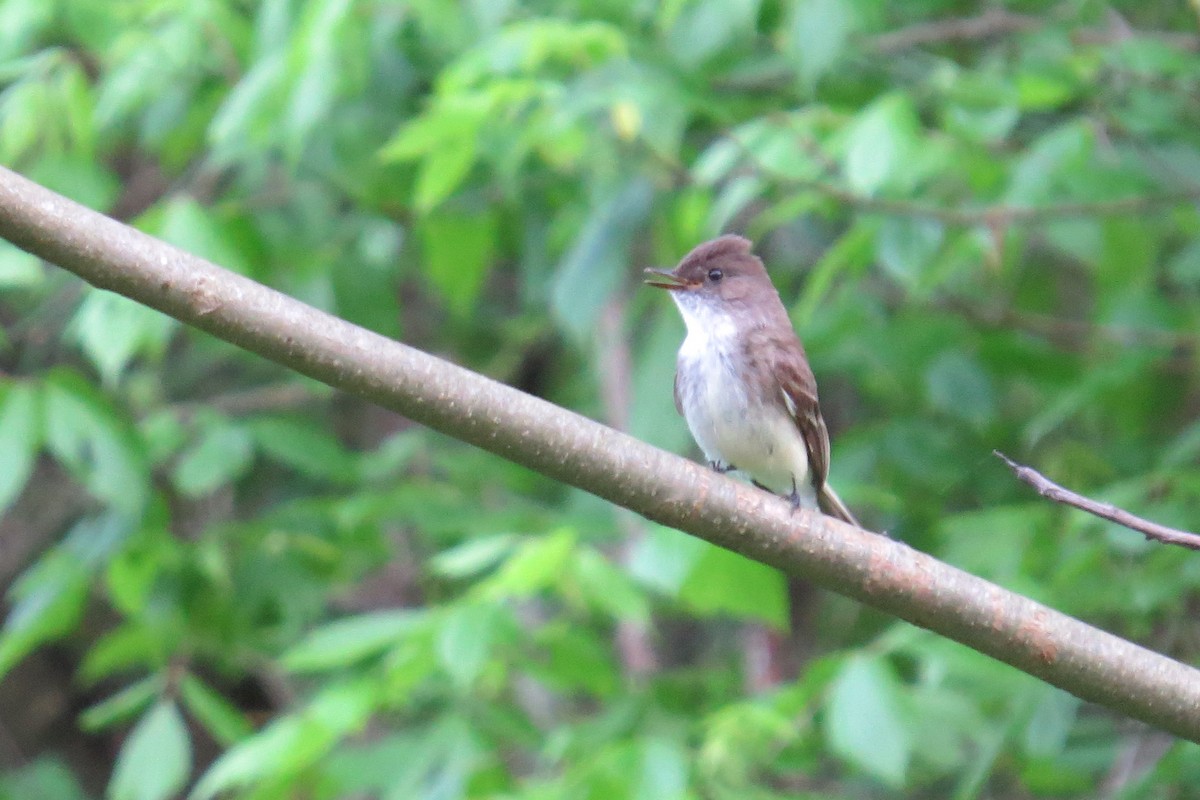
(226, 580)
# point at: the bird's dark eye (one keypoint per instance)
(715, 275)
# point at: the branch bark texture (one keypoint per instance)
(666, 488)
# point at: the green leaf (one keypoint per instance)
(597, 263)
(113, 329)
(907, 247)
(465, 639)
(20, 438)
(652, 416)
(852, 251)
(155, 760)
(664, 773)
(438, 762)
(325, 54)
(474, 556)
(652, 107)
(609, 589)
(1184, 266)
(135, 576)
(725, 583)
(262, 755)
(1049, 162)
(958, 386)
(881, 145)
(444, 141)
(707, 26)
(442, 171)
(716, 162)
(43, 778)
(22, 23)
(575, 659)
(449, 121)
(99, 448)
(127, 646)
(392, 455)
(308, 448)
(81, 179)
(1043, 90)
(365, 280)
(732, 199)
(93, 541)
(252, 109)
(18, 269)
(816, 36)
(665, 557)
(48, 599)
(1053, 719)
(135, 76)
(22, 106)
(47, 602)
(458, 252)
(220, 718)
(536, 564)
(222, 453)
(292, 743)
(863, 722)
(350, 640)
(123, 705)
(782, 147)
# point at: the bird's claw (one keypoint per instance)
(794, 497)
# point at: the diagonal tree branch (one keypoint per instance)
(885, 574)
(1052, 491)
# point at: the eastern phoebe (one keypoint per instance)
(742, 380)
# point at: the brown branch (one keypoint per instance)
(996, 22)
(993, 22)
(1064, 332)
(1052, 491)
(274, 397)
(565, 446)
(1001, 216)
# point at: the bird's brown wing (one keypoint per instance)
(799, 388)
(678, 400)
(789, 366)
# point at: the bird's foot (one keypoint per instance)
(717, 466)
(794, 497)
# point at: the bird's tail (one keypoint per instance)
(832, 505)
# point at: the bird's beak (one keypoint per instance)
(664, 279)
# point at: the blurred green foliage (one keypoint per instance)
(983, 218)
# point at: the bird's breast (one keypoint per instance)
(732, 423)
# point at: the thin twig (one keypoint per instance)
(1067, 332)
(273, 397)
(998, 22)
(1002, 216)
(993, 22)
(1052, 491)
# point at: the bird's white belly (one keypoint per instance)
(759, 439)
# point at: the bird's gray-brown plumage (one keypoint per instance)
(739, 334)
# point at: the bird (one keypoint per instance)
(743, 382)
